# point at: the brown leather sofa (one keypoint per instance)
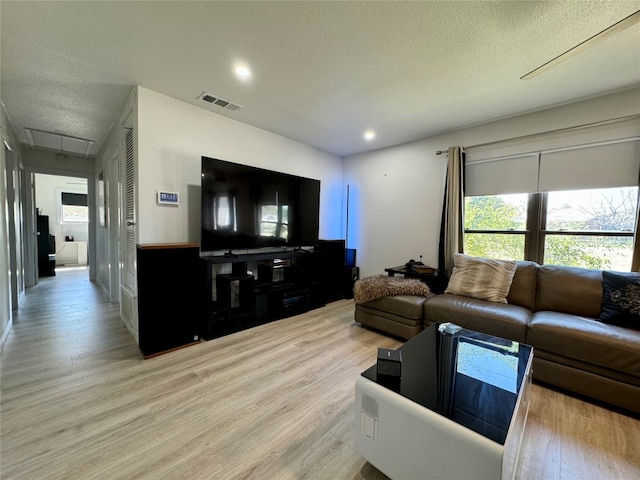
(554, 309)
(401, 315)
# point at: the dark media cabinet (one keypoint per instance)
(251, 289)
(184, 296)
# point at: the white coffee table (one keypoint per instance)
(457, 413)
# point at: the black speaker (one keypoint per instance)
(350, 257)
(332, 261)
(170, 296)
(334, 249)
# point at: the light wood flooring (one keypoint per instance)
(274, 402)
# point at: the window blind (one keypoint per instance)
(502, 176)
(79, 199)
(602, 166)
(590, 157)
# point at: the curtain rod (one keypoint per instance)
(560, 130)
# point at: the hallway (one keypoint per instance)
(64, 334)
(60, 321)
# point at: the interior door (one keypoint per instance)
(14, 222)
(129, 213)
(113, 194)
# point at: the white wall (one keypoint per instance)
(396, 193)
(172, 138)
(394, 205)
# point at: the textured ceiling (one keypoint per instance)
(323, 72)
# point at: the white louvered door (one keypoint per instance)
(129, 214)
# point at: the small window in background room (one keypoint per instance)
(495, 226)
(75, 208)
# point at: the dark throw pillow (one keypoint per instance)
(621, 299)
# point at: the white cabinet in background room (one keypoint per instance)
(72, 253)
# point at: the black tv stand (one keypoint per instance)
(251, 289)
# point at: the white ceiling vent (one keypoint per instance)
(41, 139)
(220, 102)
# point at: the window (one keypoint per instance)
(75, 208)
(591, 228)
(75, 214)
(566, 197)
(495, 226)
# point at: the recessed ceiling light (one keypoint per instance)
(369, 135)
(243, 72)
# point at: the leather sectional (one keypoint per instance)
(555, 309)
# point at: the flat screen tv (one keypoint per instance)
(247, 207)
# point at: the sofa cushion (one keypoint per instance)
(586, 339)
(501, 320)
(483, 278)
(408, 306)
(523, 285)
(621, 299)
(569, 290)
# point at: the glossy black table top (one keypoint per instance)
(469, 377)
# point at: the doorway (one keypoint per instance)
(63, 220)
